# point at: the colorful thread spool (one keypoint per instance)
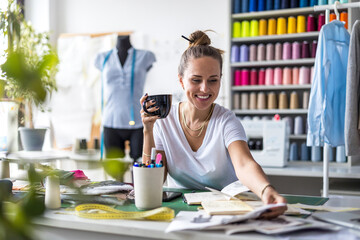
(278, 76)
(278, 51)
(281, 26)
(303, 3)
(294, 3)
(332, 17)
(237, 78)
(294, 100)
(252, 104)
(305, 103)
(291, 27)
(237, 6)
(244, 6)
(262, 27)
(244, 53)
(272, 103)
(270, 52)
(236, 29)
(305, 50)
(254, 28)
(245, 29)
(277, 4)
(261, 53)
(235, 53)
(285, 4)
(296, 50)
(261, 80)
(295, 75)
(322, 2)
(261, 100)
(272, 26)
(313, 48)
(287, 51)
(253, 77)
(269, 5)
(304, 75)
(236, 100)
(313, 3)
(252, 53)
(244, 101)
(283, 101)
(261, 5)
(310, 23)
(300, 24)
(269, 76)
(344, 18)
(287, 76)
(321, 21)
(294, 154)
(245, 77)
(252, 5)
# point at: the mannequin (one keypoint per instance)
(122, 45)
(120, 98)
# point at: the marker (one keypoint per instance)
(153, 155)
(158, 158)
(136, 164)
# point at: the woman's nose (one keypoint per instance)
(204, 87)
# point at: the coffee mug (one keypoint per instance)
(162, 101)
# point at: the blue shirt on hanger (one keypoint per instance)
(326, 112)
(117, 87)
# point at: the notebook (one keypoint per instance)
(347, 219)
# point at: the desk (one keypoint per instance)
(59, 227)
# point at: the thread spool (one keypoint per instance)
(283, 101)
(303, 3)
(340, 154)
(237, 6)
(285, 4)
(321, 21)
(236, 100)
(269, 76)
(261, 100)
(278, 75)
(298, 125)
(272, 26)
(287, 76)
(252, 5)
(244, 53)
(261, 55)
(291, 27)
(281, 26)
(296, 50)
(235, 54)
(311, 74)
(315, 154)
(294, 100)
(294, 3)
(305, 50)
(310, 27)
(294, 154)
(313, 49)
(270, 52)
(277, 4)
(304, 155)
(304, 75)
(313, 3)
(322, 2)
(262, 27)
(52, 192)
(254, 28)
(290, 124)
(272, 103)
(245, 77)
(245, 29)
(252, 53)
(244, 6)
(332, 17)
(305, 104)
(236, 29)
(344, 18)
(261, 79)
(300, 24)
(244, 101)
(253, 77)
(287, 51)
(295, 75)
(261, 5)
(269, 5)
(252, 101)
(278, 51)
(237, 78)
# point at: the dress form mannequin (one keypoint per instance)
(122, 45)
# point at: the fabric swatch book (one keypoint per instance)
(225, 207)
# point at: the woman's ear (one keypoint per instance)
(181, 81)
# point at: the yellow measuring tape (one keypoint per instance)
(99, 211)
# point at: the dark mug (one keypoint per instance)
(162, 101)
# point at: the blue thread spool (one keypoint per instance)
(315, 154)
(305, 155)
(252, 5)
(237, 6)
(322, 2)
(294, 3)
(261, 5)
(303, 3)
(244, 6)
(313, 3)
(277, 4)
(284, 4)
(294, 156)
(269, 5)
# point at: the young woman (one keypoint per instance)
(203, 143)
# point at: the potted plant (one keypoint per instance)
(28, 72)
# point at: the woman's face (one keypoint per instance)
(201, 81)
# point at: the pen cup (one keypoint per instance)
(148, 186)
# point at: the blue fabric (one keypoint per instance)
(117, 87)
(327, 97)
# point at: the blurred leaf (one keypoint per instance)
(115, 168)
(33, 205)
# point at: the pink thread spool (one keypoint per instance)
(237, 78)
(287, 52)
(310, 23)
(261, 77)
(253, 77)
(245, 78)
(269, 76)
(278, 75)
(304, 75)
(321, 21)
(296, 50)
(295, 75)
(287, 76)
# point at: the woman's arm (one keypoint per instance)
(251, 175)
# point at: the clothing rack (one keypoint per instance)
(337, 5)
(64, 35)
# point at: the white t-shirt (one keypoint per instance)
(210, 165)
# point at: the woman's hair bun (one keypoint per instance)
(199, 38)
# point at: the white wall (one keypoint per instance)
(157, 26)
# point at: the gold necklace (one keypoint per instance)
(201, 128)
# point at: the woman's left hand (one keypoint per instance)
(271, 196)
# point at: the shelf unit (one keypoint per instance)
(309, 62)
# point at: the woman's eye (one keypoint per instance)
(196, 80)
(213, 80)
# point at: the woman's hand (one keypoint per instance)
(271, 196)
(148, 120)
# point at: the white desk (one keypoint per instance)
(59, 227)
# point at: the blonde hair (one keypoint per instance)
(199, 46)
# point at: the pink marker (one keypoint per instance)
(158, 158)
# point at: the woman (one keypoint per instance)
(202, 143)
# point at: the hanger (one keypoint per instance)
(336, 10)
